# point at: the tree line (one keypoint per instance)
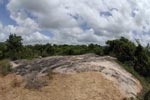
(136, 56)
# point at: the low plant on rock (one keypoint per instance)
(5, 67)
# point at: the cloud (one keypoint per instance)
(36, 38)
(3, 36)
(80, 21)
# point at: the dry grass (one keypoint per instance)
(16, 82)
(83, 86)
(33, 82)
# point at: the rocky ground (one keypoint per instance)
(84, 77)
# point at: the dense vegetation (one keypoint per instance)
(135, 57)
(13, 49)
(126, 51)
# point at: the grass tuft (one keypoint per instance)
(5, 67)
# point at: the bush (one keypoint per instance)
(5, 67)
(121, 48)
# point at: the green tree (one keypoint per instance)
(121, 48)
(14, 46)
(3, 49)
(142, 61)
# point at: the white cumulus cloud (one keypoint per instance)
(80, 21)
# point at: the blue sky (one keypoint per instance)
(62, 22)
(5, 15)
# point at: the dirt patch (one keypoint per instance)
(81, 86)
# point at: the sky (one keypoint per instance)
(75, 21)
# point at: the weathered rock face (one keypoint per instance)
(127, 84)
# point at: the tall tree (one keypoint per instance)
(142, 62)
(122, 48)
(3, 49)
(14, 46)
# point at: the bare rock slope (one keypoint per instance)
(128, 85)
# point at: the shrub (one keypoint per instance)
(5, 67)
(121, 48)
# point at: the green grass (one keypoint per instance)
(5, 67)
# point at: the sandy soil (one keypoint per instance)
(81, 86)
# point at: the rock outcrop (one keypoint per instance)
(128, 85)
